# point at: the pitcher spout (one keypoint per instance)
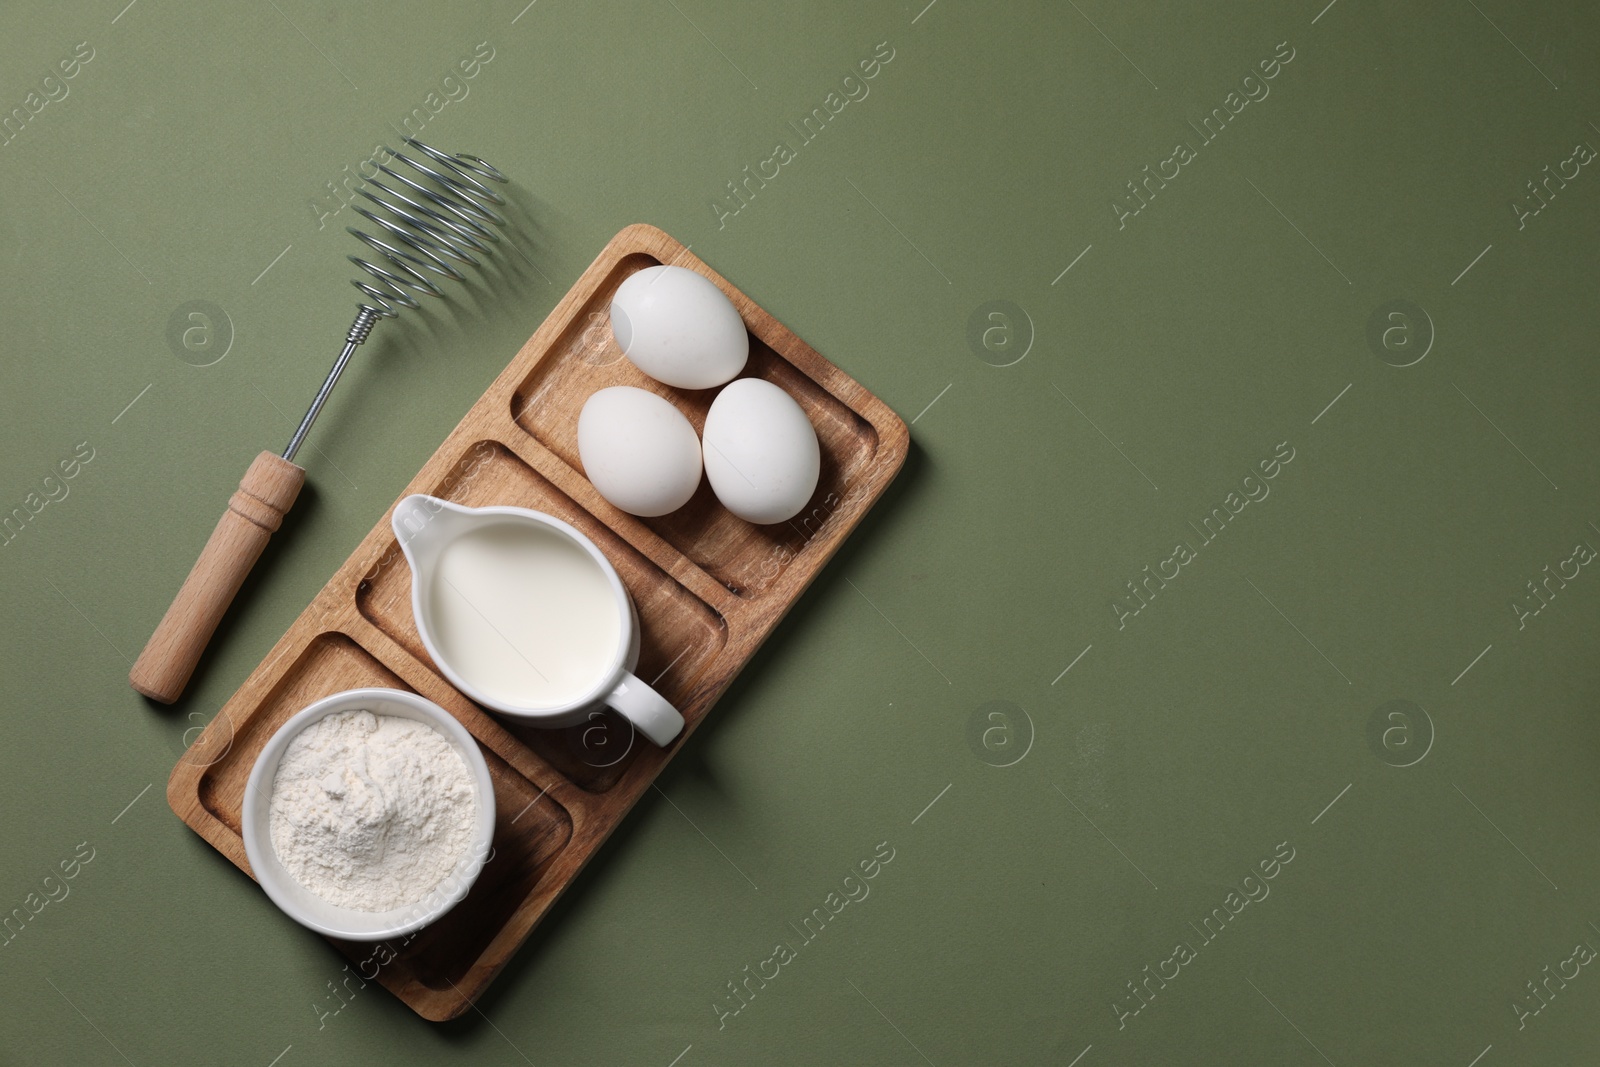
(420, 523)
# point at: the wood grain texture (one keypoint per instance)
(255, 511)
(708, 587)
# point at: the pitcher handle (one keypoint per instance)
(646, 709)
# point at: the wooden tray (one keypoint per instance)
(709, 589)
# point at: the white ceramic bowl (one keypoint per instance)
(304, 906)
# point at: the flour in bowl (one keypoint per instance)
(371, 812)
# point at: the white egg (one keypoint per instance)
(761, 453)
(678, 327)
(638, 450)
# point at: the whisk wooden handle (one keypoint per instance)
(254, 514)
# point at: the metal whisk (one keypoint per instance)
(427, 225)
(448, 224)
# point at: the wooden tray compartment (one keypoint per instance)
(708, 588)
(736, 553)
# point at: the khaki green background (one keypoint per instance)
(1178, 351)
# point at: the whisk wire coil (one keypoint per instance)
(449, 221)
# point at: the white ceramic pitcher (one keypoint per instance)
(427, 526)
